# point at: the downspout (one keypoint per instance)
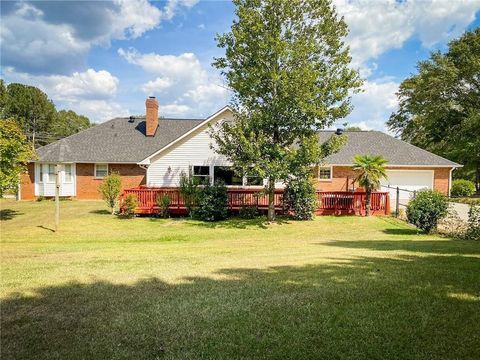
(144, 167)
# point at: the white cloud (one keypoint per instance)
(184, 85)
(378, 26)
(156, 86)
(91, 93)
(173, 5)
(373, 107)
(55, 37)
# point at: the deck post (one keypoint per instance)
(397, 202)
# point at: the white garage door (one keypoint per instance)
(412, 180)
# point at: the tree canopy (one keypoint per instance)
(36, 114)
(370, 171)
(15, 152)
(288, 68)
(439, 106)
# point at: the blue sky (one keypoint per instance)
(103, 58)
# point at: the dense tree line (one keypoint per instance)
(439, 108)
(36, 114)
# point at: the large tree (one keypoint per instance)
(36, 114)
(32, 109)
(67, 123)
(439, 106)
(15, 152)
(288, 68)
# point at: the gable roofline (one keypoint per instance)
(146, 161)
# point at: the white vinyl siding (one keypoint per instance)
(194, 150)
(47, 186)
(166, 167)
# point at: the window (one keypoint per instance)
(227, 175)
(41, 172)
(68, 173)
(253, 181)
(201, 174)
(101, 170)
(51, 173)
(325, 173)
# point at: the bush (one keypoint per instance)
(248, 212)
(211, 203)
(473, 231)
(163, 203)
(426, 209)
(462, 188)
(129, 205)
(189, 190)
(300, 199)
(110, 190)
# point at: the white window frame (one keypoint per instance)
(330, 167)
(52, 179)
(71, 173)
(95, 171)
(40, 173)
(210, 175)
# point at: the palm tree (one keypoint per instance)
(370, 169)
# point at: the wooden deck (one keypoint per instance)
(329, 202)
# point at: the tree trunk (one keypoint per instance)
(368, 193)
(271, 200)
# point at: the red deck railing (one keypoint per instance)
(329, 202)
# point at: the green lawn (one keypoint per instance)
(336, 287)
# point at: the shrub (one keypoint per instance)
(462, 188)
(129, 205)
(110, 190)
(211, 203)
(163, 203)
(426, 209)
(248, 212)
(452, 225)
(189, 190)
(300, 199)
(473, 231)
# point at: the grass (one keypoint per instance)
(336, 287)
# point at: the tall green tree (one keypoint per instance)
(36, 114)
(15, 152)
(370, 170)
(439, 106)
(288, 68)
(32, 109)
(68, 122)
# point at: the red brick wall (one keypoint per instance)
(27, 183)
(87, 185)
(340, 173)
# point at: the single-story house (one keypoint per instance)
(154, 151)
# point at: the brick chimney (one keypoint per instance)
(152, 116)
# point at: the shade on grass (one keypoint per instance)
(337, 287)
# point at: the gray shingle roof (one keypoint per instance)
(117, 140)
(122, 141)
(396, 151)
